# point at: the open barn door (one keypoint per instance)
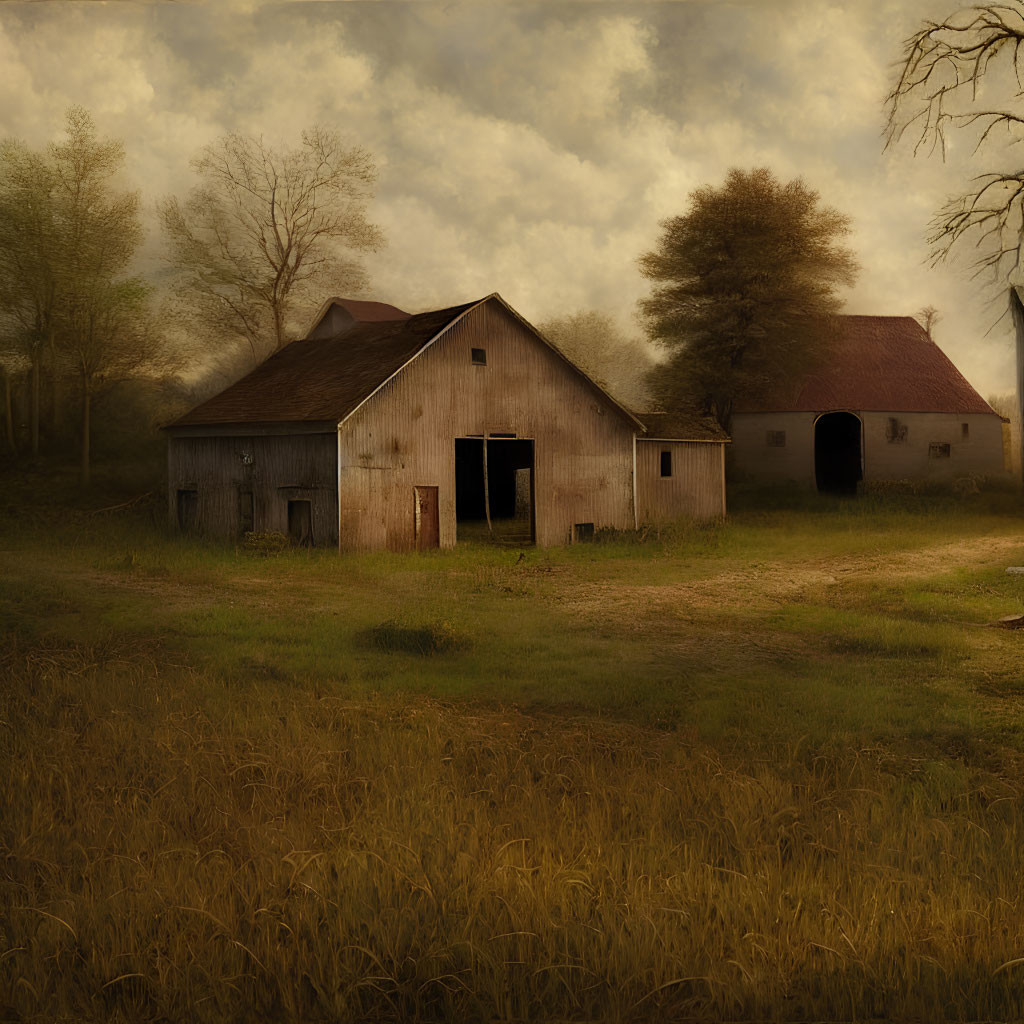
(494, 489)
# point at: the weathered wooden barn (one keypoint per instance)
(886, 404)
(385, 430)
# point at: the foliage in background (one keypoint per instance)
(267, 230)
(744, 286)
(594, 342)
(68, 236)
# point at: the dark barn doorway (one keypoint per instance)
(503, 509)
(300, 523)
(837, 452)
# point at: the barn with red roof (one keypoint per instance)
(886, 403)
(383, 429)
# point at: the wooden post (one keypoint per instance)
(487, 493)
(1017, 313)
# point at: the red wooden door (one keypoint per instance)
(428, 527)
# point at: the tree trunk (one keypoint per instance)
(54, 389)
(86, 428)
(278, 328)
(9, 412)
(34, 404)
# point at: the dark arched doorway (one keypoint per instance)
(837, 459)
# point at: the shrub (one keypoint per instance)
(265, 542)
(432, 638)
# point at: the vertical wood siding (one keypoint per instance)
(694, 490)
(283, 467)
(404, 437)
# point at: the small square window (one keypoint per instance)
(666, 463)
(776, 439)
(583, 532)
(938, 450)
(895, 432)
(479, 356)
(965, 431)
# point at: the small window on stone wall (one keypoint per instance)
(938, 450)
(776, 439)
(965, 431)
(895, 432)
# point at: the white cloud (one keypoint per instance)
(529, 149)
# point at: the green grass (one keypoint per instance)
(764, 769)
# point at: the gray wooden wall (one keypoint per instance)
(404, 436)
(696, 488)
(274, 468)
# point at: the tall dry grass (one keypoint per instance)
(173, 850)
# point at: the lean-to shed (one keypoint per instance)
(386, 430)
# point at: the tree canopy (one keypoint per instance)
(68, 235)
(745, 283)
(265, 225)
(594, 343)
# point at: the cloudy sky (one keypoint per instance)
(525, 148)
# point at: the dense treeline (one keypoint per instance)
(93, 356)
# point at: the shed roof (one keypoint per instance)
(324, 379)
(681, 425)
(875, 364)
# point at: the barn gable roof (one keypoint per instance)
(328, 378)
(875, 364)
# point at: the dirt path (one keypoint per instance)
(769, 583)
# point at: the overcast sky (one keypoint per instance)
(526, 148)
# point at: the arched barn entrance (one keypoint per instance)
(837, 452)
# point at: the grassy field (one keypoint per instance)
(770, 769)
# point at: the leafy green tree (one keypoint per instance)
(30, 254)
(101, 309)
(267, 229)
(595, 344)
(68, 236)
(745, 284)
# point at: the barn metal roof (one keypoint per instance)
(875, 364)
(680, 426)
(324, 378)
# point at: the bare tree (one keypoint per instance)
(928, 317)
(264, 225)
(938, 88)
(593, 341)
